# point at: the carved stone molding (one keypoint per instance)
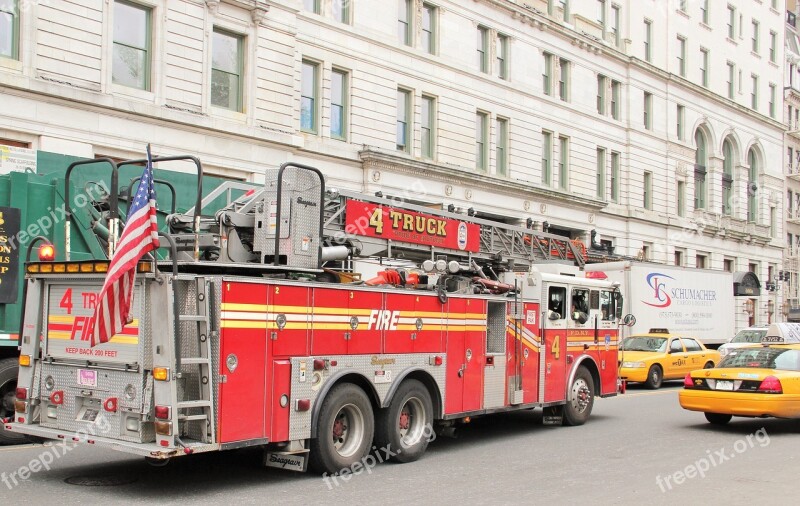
(259, 12)
(213, 6)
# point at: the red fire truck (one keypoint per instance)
(258, 331)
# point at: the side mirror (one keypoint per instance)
(629, 320)
(552, 315)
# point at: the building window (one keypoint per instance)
(429, 23)
(547, 75)
(563, 162)
(648, 40)
(501, 61)
(681, 199)
(754, 93)
(773, 43)
(704, 67)
(773, 223)
(615, 99)
(601, 173)
(648, 110)
(403, 116)
(700, 164)
(547, 158)
(647, 183)
(339, 93)
(601, 14)
(700, 261)
(427, 128)
(727, 177)
(601, 94)
(483, 49)
(614, 177)
(678, 256)
(481, 141)
(501, 147)
(681, 121)
(727, 265)
(227, 67)
(615, 24)
(752, 186)
(9, 29)
(341, 11)
(704, 11)
(309, 86)
(565, 10)
(563, 81)
(681, 56)
(731, 79)
(682, 5)
(404, 22)
(755, 36)
(731, 22)
(772, 91)
(130, 64)
(312, 6)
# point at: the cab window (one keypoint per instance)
(676, 346)
(691, 344)
(580, 303)
(606, 308)
(556, 299)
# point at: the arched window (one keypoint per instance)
(752, 185)
(727, 176)
(700, 163)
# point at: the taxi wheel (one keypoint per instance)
(654, 377)
(709, 365)
(718, 418)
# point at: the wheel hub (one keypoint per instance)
(581, 395)
(339, 427)
(405, 420)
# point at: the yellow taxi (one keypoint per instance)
(658, 355)
(762, 381)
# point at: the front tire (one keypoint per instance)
(718, 418)
(8, 389)
(406, 426)
(581, 398)
(344, 430)
(655, 376)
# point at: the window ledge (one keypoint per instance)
(732, 41)
(128, 92)
(228, 114)
(10, 64)
(683, 13)
(755, 55)
(773, 64)
(705, 26)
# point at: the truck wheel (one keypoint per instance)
(655, 376)
(406, 426)
(344, 430)
(718, 418)
(8, 388)
(580, 398)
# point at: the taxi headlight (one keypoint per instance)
(633, 365)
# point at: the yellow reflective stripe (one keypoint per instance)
(231, 306)
(242, 324)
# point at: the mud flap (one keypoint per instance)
(553, 415)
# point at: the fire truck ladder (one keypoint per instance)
(516, 246)
(193, 359)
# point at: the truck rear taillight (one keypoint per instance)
(163, 412)
(20, 406)
(21, 393)
(164, 428)
(110, 404)
(25, 360)
(161, 373)
(57, 398)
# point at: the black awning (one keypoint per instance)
(746, 284)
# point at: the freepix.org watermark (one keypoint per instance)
(712, 459)
(377, 456)
(43, 461)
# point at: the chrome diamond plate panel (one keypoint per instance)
(494, 383)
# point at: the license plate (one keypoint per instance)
(725, 385)
(87, 378)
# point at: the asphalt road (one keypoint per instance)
(628, 453)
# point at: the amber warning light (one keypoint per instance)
(47, 253)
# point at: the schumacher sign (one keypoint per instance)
(373, 220)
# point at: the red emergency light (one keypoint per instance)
(47, 253)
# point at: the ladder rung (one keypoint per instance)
(194, 404)
(192, 318)
(195, 360)
(189, 418)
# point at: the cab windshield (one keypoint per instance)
(781, 359)
(749, 336)
(644, 343)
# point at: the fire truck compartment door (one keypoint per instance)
(466, 330)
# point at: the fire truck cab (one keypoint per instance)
(257, 331)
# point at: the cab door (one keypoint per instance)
(698, 356)
(677, 364)
(554, 354)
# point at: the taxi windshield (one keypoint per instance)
(644, 343)
(781, 359)
(749, 336)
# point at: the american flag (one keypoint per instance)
(139, 237)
